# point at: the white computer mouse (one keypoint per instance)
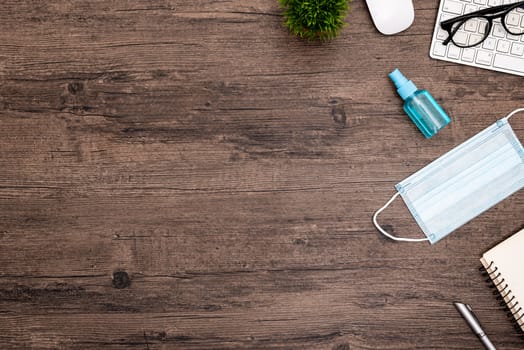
(391, 16)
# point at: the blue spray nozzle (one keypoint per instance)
(398, 78)
(405, 87)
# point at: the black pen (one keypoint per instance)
(473, 322)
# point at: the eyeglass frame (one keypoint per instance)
(501, 11)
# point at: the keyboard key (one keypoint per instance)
(439, 49)
(452, 7)
(461, 38)
(484, 57)
(454, 52)
(503, 46)
(441, 34)
(468, 55)
(513, 37)
(471, 25)
(470, 8)
(517, 49)
(509, 62)
(480, 2)
(474, 39)
(446, 16)
(513, 19)
(489, 43)
(494, 2)
(498, 31)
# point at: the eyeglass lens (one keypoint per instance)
(474, 30)
(514, 20)
(470, 32)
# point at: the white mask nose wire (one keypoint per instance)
(385, 233)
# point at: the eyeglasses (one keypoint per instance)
(473, 28)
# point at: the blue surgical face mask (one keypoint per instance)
(463, 183)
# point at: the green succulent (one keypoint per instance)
(315, 19)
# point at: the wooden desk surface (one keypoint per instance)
(187, 175)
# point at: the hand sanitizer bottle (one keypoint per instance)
(420, 106)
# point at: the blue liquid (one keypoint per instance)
(426, 113)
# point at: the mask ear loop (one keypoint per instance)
(389, 235)
(518, 110)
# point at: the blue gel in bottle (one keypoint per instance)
(420, 106)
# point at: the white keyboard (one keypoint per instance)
(500, 51)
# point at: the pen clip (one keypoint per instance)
(471, 319)
(467, 313)
(472, 313)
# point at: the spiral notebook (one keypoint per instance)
(504, 264)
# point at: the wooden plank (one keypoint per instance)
(187, 175)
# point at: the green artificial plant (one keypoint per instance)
(315, 19)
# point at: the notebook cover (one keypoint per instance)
(505, 266)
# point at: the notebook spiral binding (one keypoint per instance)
(503, 294)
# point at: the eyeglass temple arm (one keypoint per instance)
(449, 28)
(448, 39)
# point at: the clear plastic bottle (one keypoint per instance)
(420, 106)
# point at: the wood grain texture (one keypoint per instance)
(187, 175)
